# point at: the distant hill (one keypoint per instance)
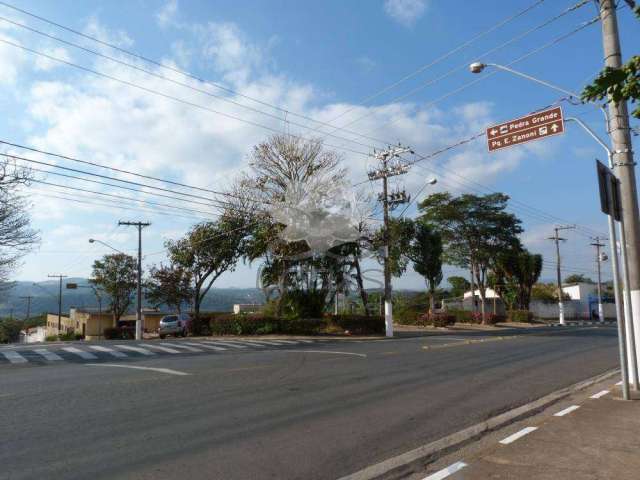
(45, 297)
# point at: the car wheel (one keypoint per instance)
(163, 336)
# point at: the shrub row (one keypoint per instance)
(520, 316)
(119, 333)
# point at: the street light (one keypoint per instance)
(478, 67)
(93, 240)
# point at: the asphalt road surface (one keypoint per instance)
(269, 410)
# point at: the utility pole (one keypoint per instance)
(59, 277)
(599, 259)
(28, 299)
(389, 165)
(624, 168)
(140, 226)
(557, 239)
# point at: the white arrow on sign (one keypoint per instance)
(555, 127)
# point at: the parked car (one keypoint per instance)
(178, 325)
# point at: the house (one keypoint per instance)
(33, 335)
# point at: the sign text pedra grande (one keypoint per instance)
(525, 129)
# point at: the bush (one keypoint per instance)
(119, 333)
(520, 316)
(303, 303)
(67, 336)
(462, 316)
(359, 324)
(51, 338)
(437, 319)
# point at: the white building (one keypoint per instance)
(33, 335)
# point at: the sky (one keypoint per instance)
(381, 72)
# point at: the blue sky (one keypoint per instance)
(318, 59)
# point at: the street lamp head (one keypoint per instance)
(91, 240)
(477, 67)
(432, 181)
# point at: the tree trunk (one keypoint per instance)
(363, 293)
(473, 291)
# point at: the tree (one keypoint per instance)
(207, 251)
(169, 285)
(520, 270)
(474, 230)
(10, 330)
(426, 254)
(401, 232)
(547, 292)
(578, 278)
(619, 84)
(459, 285)
(116, 275)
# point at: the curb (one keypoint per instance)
(407, 463)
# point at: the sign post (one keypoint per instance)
(532, 127)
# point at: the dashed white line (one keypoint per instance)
(518, 435)
(119, 365)
(14, 357)
(142, 351)
(80, 353)
(599, 394)
(110, 351)
(47, 354)
(162, 349)
(445, 472)
(184, 347)
(566, 411)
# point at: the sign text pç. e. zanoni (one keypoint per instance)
(525, 129)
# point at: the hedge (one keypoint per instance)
(521, 316)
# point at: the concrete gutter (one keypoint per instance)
(415, 460)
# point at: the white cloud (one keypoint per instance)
(405, 12)
(365, 63)
(167, 14)
(45, 64)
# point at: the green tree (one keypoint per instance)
(459, 285)
(546, 292)
(618, 85)
(10, 330)
(520, 270)
(116, 275)
(426, 254)
(474, 230)
(401, 233)
(578, 278)
(207, 251)
(169, 285)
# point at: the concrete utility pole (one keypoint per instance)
(599, 259)
(28, 299)
(140, 226)
(59, 277)
(389, 165)
(624, 166)
(557, 239)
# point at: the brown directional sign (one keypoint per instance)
(525, 129)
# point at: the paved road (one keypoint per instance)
(316, 410)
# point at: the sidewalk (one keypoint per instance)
(596, 436)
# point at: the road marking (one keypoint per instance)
(262, 342)
(226, 344)
(252, 343)
(47, 354)
(117, 365)
(445, 472)
(566, 411)
(517, 435)
(142, 351)
(162, 349)
(283, 342)
(325, 351)
(600, 394)
(184, 347)
(210, 347)
(80, 353)
(14, 357)
(110, 351)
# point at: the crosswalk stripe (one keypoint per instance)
(210, 347)
(251, 343)
(142, 351)
(264, 342)
(110, 351)
(47, 354)
(80, 353)
(226, 344)
(184, 347)
(283, 342)
(158, 347)
(14, 357)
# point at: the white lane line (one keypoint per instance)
(325, 351)
(445, 472)
(158, 347)
(142, 351)
(226, 344)
(112, 352)
(517, 435)
(80, 353)
(210, 347)
(184, 347)
(566, 411)
(14, 357)
(599, 394)
(118, 365)
(47, 354)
